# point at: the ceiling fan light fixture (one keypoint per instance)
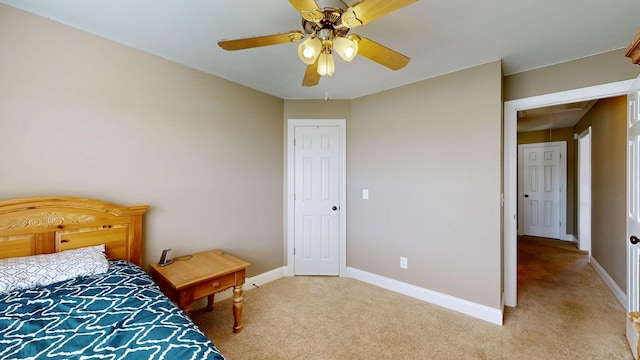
(314, 15)
(346, 48)
(309, 50)
(325, 29)
(326, 65)
(349, 19)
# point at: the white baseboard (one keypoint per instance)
(617, 291)
(264, 278)
(466, 307)
(252, 282)
(288, 271)
(565, 237)
(479, 311)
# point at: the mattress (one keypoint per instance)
(120, 314)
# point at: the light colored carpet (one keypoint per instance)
(565, 311)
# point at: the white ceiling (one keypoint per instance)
(440, 36)
(553, 117)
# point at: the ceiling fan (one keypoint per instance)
(326, 25)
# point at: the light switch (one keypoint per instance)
(365, 194)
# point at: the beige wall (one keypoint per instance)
(430, 155)
(105, 121)
(608, 185)
(83, 116)
(404, 146)
(565, 135)
(316, 109)
(593, 70)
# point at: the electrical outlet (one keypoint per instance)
(403, 262)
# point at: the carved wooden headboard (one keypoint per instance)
(42, 225)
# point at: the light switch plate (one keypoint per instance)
(365, 194)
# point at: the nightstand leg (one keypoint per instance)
(210, 302)
(237, 309)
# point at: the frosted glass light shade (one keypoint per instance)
(309, 50)
(325, 64)
(350, 20)
(347, 49)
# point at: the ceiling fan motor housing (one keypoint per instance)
(329, 18)
(331, 4)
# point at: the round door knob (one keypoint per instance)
(634, 239)
(334, 208)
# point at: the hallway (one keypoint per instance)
(560, 292)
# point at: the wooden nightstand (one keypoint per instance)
(203, 274)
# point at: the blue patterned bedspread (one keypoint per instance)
(121, 314)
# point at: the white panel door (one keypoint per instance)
(633, 211)
(317, 200)
(541, 181)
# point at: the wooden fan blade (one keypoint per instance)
(258, 41)
(304, 5)
(311, 76)
(369, 10)
(381, 54)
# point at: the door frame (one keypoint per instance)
(584, 190)
(510, 153)
(562, 215)
(290, 185)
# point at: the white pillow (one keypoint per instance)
(39, 270)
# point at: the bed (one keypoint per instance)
(61, 298)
